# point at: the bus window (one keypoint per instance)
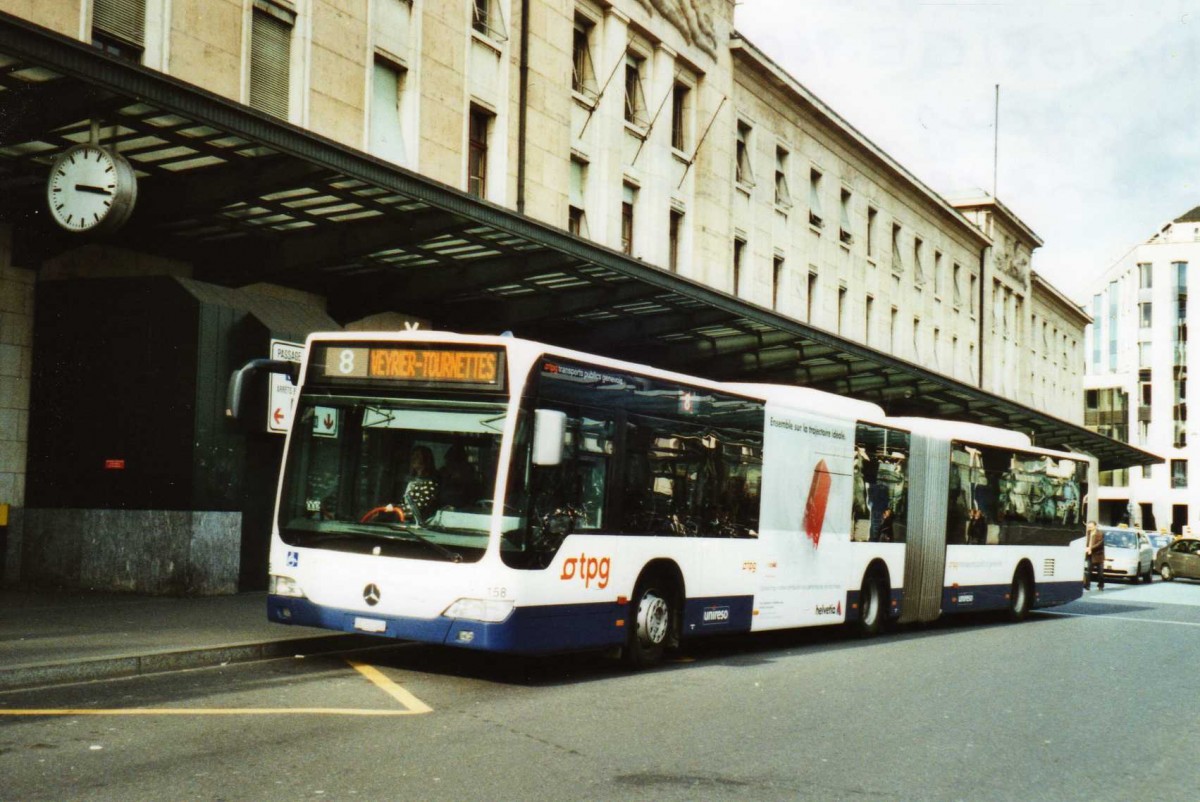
(681, 479)
(552, 501)
(880, 500)
(392, 477)
(1001, 496)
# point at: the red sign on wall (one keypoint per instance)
(114, 464)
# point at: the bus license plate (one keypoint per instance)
(370, 625)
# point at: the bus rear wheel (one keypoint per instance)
(654, 622)
(1021, 596)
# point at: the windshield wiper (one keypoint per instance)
(452, 556)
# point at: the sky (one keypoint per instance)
(1099, 112)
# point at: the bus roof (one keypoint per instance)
(816, 400)
(979, 434)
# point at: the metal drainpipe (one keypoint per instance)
(522, 97)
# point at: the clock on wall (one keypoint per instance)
(91, 189)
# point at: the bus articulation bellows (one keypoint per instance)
(499, 494)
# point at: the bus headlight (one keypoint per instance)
(284, 586)
(489, 610)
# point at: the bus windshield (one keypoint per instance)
(394, 477)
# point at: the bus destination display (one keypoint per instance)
(475, 367)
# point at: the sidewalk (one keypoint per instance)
(49, 638)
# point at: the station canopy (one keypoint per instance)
(246, 198)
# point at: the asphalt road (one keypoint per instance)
(1093, 701)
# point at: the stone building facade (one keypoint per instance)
(647, 126)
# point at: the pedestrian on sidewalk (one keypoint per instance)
(1095, 555)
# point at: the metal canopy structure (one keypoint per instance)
(244, 197)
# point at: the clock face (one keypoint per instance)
(89, 189)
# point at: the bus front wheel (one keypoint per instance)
(1021, 596)
(654, 617)
(871, 609)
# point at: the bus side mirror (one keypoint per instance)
(236, 391)
(549, 432)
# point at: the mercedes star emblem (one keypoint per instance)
(371, 594)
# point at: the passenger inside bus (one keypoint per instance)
(421, 487)
(458, 479)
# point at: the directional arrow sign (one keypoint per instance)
(325, 421)
(283, 392)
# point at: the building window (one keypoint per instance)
(776, 280)
(916, 342)
(897, 259)
(1113, 313)
(1145, 276)
(938, 279)
(783, 196)
(739, 254)
(893, 326)
(488, 20)
(999, 307)
(635, 95)
(937, 347)
(844, 233)
(744, 172)
(119, 27)
(812, 295)
(576, 215)
(583, 72)
(681, 113)
(956, 277)
(841, 308)
(868, 318)
(872, 217)
(629, 195)
(479, 130)
(270, 58)
(387, 130)
(674, 232)
(815, 215)
(1145, 317)
(973, 300)
(1179, 477)
(918, 262)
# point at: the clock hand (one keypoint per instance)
(91, 189)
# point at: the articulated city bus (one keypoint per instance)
(499, 494)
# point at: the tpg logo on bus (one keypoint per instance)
(586, 568)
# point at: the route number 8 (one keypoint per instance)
(346, 362)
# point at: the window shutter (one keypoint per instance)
(270, 57)
(121, 19)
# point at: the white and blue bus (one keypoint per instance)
(499, 494)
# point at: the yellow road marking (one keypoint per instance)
(199, 711)
(412, 705)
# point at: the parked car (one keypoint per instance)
(1180, 559)
(1128, 555)
(1159, 541)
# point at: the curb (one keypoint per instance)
(46, 674)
